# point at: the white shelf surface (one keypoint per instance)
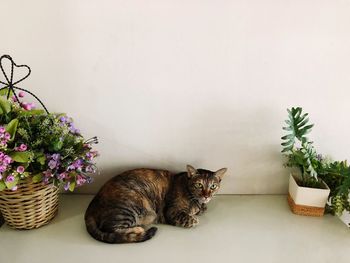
(234, 229)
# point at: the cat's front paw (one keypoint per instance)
(191, 221)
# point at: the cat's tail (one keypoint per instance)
(2, 220)
(127, 235)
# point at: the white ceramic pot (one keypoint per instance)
(305, 200)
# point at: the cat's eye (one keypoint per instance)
(213, 186)
(198, 185)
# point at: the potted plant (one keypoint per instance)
(39, 151)
(308, 193)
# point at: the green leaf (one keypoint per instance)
(20, 157)
(57, 145)
(289, 143)
(5, 105)
(2, 185)
(289, 136)
(31, 112)
(37, 178)
(40, 157)
(11, 128)
(41, 160)
(4, 92)
(72, 186)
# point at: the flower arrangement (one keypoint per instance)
(45, 147)
(300, 153)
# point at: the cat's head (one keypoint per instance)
(204, 184)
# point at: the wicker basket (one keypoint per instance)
(32, 205)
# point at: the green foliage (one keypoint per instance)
(21, 157)
(37, 178)
(4, 92)
(337, 177)
(11, 128)
(297, 127)
(2, 185)
(5, 105)
(298, 148)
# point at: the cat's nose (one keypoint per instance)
(206, 195)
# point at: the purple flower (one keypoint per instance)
(63, 119)
(90, 169)
(10, 178)
(78, 163)
(71, 167)
(2, 129)
(20, 169)
(21, 94)
(66, 186)
(1, 155)
(52, 164)
(56, 156)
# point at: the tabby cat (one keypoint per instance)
(126, 206)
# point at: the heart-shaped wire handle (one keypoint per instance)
(10, 85)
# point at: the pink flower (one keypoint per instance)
(47, 174)
(7, 159)
(62, 176)
(2, 168)
(14, 188)
(7, 136)
(21, 94)
(2, 129)
(80, 180)
(14, 98)
(22, 147)
(20, 169)
(27, 106)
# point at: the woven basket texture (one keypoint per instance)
(304, 209)
(32, 205)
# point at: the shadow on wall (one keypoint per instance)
(246, 142)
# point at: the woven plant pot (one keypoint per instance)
(307, 201)
(32, 205)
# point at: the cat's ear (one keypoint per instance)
(191, 171)
(220, 173)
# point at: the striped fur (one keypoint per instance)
(128, 204)
(2, 220)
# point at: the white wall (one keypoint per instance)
(165, 83)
